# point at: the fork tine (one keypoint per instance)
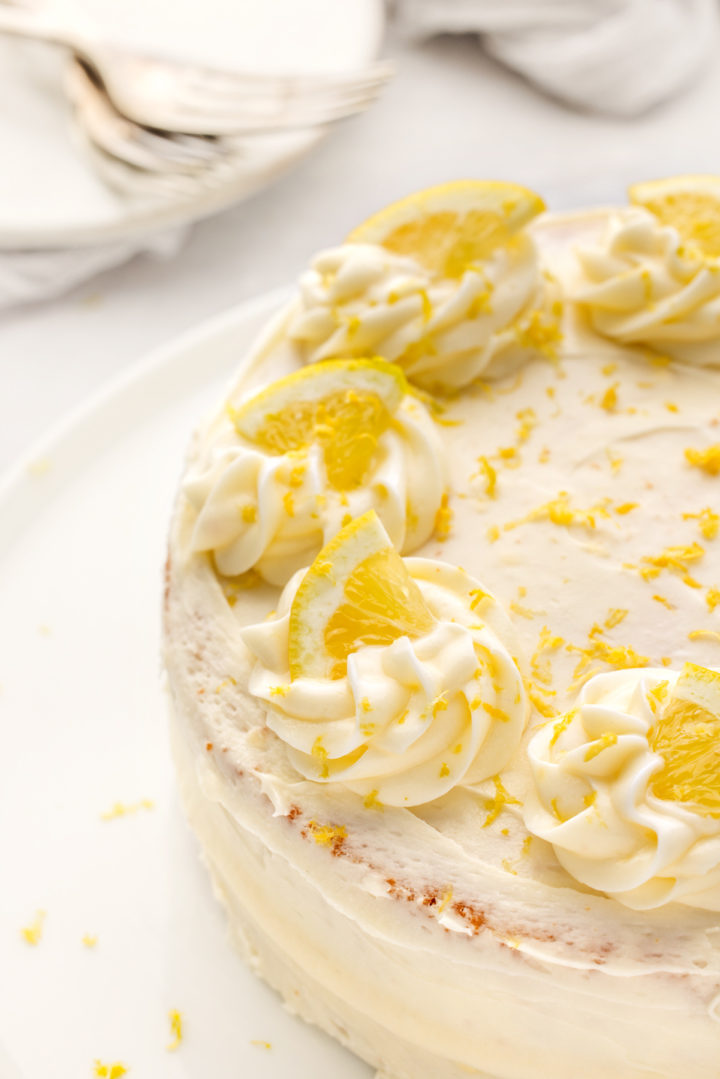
(241, 83)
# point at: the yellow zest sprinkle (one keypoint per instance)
(540, 331)
(121, 809)
(289, 504)
(366, 704)
(371, 800)
(32, 934)
(665, 602)
(615, 655)
(477, 595)
(554, 807)
(447, 898)
(444, 770)
(560, 512)
(708, 522)
(443, 520)
(496, 713)
(547, 642)
(279, 691)
(671, 406)
(176, 1028)
(89, 940)
(109, 1071)
(326, 835)
(502, 798)
(523, 612)
(260, 1044)
(616, 462)
(543, 706)
(713, 598)
(658, 695)
(675, 559)
(490, 475)
(249, 513)
(704, 635)
(615, 617)
(590, 798)
(562, 725)
(493, 533)
(609, 369)
(626, 507)
(528, 421)
(608, 401)
(596, 747)
(229, 681)
(708, 460)
(367, 730)
(320, 753)
(509, 453)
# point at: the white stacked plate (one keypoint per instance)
(50, 194)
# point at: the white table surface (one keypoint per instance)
(450, 113)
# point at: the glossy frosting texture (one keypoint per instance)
(359, 299)
(411, 719)
(595, 801)
(273, 512)
(643, 286)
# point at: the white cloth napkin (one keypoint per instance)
(613, 56)
(40, 275)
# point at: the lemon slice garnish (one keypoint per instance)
(344, 405)
(687, 737)
(691, 204)
(453, 226)
(357, 592)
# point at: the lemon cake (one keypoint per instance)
(442, 638)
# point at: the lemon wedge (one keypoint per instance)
(345, 405)
(451, 227)
(357, 592)
(691, 204)
(687, 737)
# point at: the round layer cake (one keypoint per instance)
(442, 639)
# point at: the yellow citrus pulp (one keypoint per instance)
(687, 737)
(451, 227)
(357, 592)
(691, 204)
(344, 405)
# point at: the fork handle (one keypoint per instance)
(19, 21)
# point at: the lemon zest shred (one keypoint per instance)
(708, 522)
(708, 460)
(597, 747)
(501, 799)
(32, 934)
(176, 1029)
(490, 475)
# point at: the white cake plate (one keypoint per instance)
(82, 717)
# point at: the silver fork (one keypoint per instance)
(193, 99)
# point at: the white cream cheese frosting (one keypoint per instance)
(492, 957)
(359, 299)
(411, 719)
(642, 286)
(596, 794)
(273, 512)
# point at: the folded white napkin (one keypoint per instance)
(41, 275)
(613, 56)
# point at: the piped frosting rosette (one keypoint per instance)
(644, 285)
(392, 678)
(446, 283)
(311, 451)
(627, 787)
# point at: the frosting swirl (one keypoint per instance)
(359, 299)
(273, 512)
(612, 805)
(644, 287)
(412, 719)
